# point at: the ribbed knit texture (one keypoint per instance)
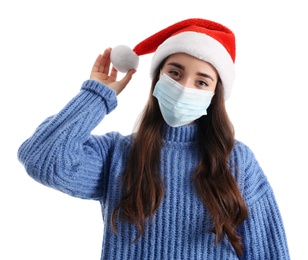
(63, 154)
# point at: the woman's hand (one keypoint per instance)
(101, 72)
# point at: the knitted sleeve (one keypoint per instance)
(263, 232)
(62, 153)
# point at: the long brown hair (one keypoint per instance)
(144, 188)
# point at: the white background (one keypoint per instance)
(47, 50)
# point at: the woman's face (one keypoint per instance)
(190, 72)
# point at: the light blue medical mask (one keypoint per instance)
(180, 105)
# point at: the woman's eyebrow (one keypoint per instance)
(179, 66)
(205, 75)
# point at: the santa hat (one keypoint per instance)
(203, 39)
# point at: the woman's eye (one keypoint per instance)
(202, 83)
(174, 74)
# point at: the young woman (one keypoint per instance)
(179, 187)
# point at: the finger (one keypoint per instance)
(114, 73)
(127, 77)
(97, 63)
(105, 62)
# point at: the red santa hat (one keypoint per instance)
(203, 39)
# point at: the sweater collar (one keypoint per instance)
(186, 133)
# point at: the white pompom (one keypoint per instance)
(124, 58)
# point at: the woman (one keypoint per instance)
(181, 186)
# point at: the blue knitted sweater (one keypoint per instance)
(63, 154)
